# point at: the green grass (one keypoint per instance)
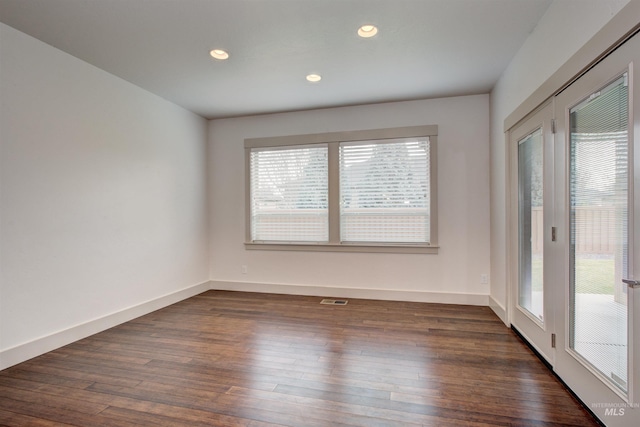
(593, 276)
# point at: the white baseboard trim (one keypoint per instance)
(337, 292)
(39, 346)
(26, 351)
(499, 310)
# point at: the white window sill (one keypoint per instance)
(328, 247)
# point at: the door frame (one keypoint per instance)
(539, 337)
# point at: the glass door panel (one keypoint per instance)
(598, 230)
(530, 193)
(530, 224)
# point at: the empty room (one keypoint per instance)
(319, 213)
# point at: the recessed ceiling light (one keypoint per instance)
(367, 31)
(314, 78)
(219, 54)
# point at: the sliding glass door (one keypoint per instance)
(599, 230)
(574, 234)
(597, 188)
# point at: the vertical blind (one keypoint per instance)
(289, 194)
(384, 191)
(599, 195)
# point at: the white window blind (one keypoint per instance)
(599, 230)
(289, 194)
(384, 191)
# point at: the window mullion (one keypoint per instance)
(334, 193)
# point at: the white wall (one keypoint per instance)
(102, 198)
(566, 27)
(453, 275)
(103, 192)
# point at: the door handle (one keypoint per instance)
(632, 283)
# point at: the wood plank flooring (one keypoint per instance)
(258, 360)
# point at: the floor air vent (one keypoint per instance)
(334, 301)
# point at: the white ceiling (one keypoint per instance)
(425, 48)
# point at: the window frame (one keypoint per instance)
(318, 188)
(333, 140)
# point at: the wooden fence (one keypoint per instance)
(595, 230)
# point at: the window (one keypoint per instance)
(289, 191)
(369, 190)
(384, 191)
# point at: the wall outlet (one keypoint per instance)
(244, 269)
(484, 279)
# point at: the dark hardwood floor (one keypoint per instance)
(256, 360)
